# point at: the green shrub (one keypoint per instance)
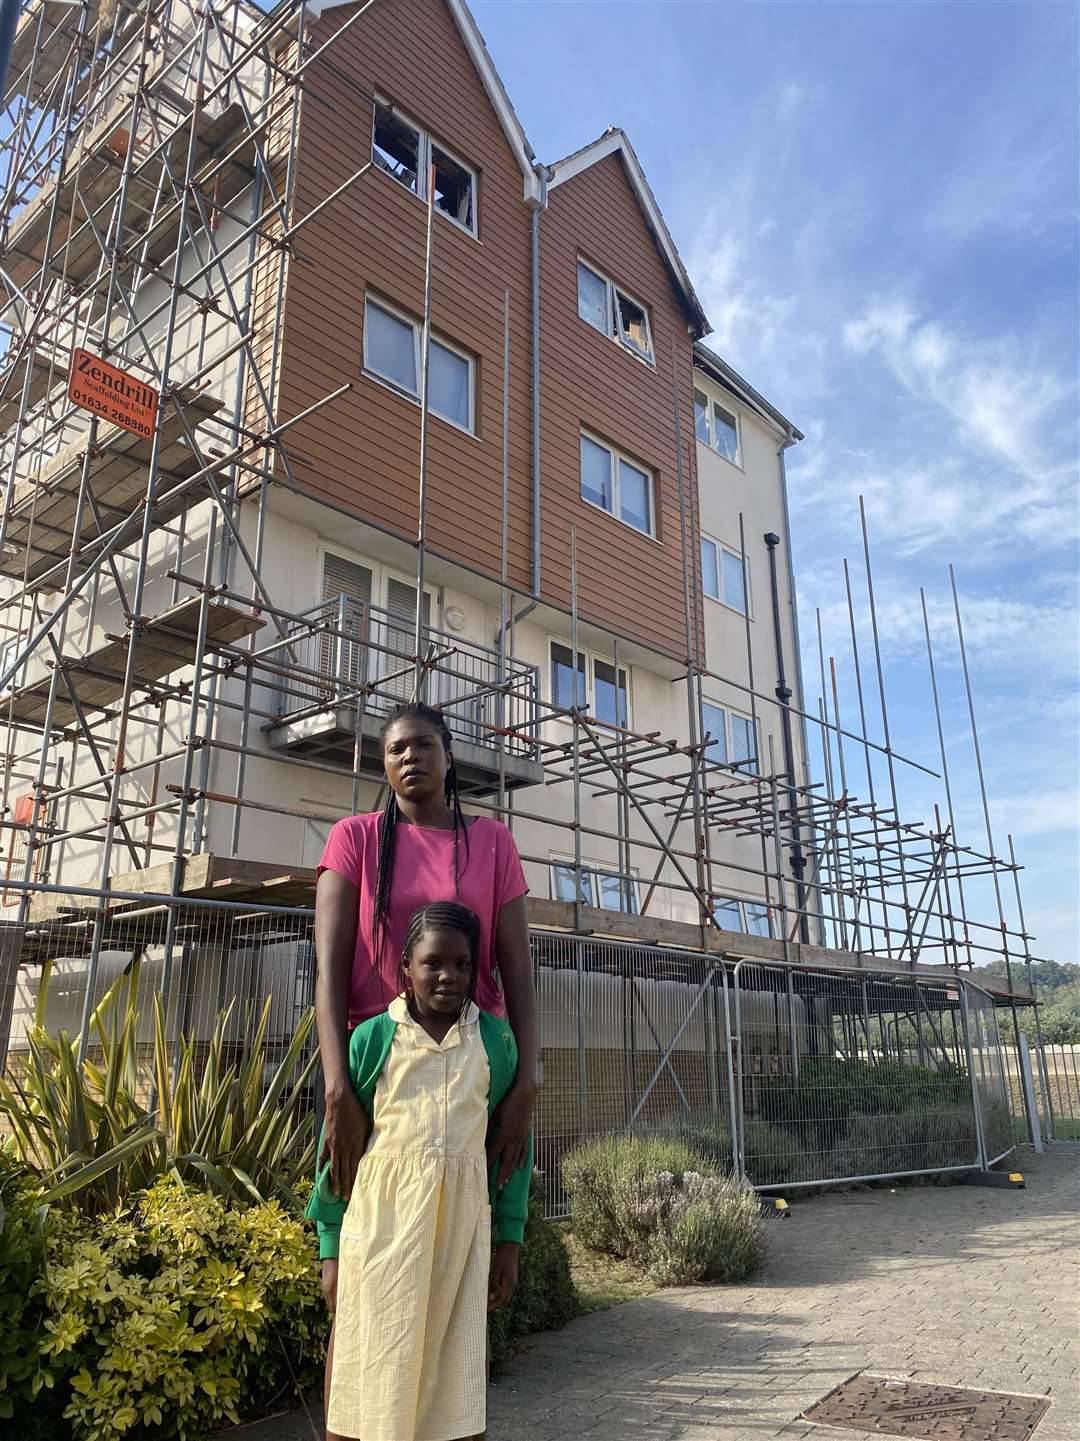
(605, 1180)
(217, 1123)
(22, 1253)
(654, 1200)
(714, 1234)
(175, 1315)
(545, 1298)
(910, 1141)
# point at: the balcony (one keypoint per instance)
(346, 665)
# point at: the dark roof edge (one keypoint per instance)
(724, 374)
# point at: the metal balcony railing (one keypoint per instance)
(349, 653)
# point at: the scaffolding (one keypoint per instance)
(150, 217)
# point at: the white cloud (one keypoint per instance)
(995, 390)
(1040, 812)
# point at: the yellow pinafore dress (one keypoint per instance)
(410, 1341)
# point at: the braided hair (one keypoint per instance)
(444, 916)
(414, 710)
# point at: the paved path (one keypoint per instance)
(957, 1285)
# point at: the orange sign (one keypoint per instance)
(112, 393)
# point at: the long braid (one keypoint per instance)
(388, 823)
(387, 843)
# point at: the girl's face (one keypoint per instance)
(415, 759)
(439, 970)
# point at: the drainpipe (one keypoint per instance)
(542, 175)
(789, 440)
(783, 695)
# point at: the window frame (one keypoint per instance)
(615, 455)
(591, 659)
(388, 308)
(423, 163)
(721, 549)
(711, 405)
(728, 712)
(742, 902)
(614, 326)
(592, 872)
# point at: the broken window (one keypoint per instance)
(405, 151)
(396, 147)
(607, 309)
(453, 188)
(592, 298)
(633, 325)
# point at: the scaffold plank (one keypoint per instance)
(166, 643)
(91, 183)
(40, 529)
(47, 373)
(55, 23)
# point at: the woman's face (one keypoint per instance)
(415, 759)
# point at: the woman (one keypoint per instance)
(375, 872)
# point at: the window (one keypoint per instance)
(396, 147)
(562, 678)
(610, 310)
(723, 574)
(392, 352)
(450, 385)
(752, 918)
(701, 417)
(407, 153)
(598, 692)
(615, 484)
(605, 890)
(731, 737)
(716, 427)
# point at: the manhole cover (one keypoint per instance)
(934, 1413)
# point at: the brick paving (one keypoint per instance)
(958, 1285)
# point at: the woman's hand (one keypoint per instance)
(346, 1130)
(329, 1283)
(509, 1145)
(502, 1278)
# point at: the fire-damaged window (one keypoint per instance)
(396, 147)
(607, 308)
(407, 152)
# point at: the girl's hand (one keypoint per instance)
(329, 1283)
(513, 1119)
(502, 1279)
(346, 1130)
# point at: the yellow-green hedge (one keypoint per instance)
(172, 1317)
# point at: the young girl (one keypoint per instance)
(408, 1261)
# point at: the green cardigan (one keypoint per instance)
(369, 1047)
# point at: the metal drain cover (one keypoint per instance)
(933, 1413)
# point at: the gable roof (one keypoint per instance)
(615, 141)
(716, 368)
(492, 83)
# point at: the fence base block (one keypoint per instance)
(775, 1206)
(1007, 1180)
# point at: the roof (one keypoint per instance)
(615, 141)
(492, 83)
(719, 370)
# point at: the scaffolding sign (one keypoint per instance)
(113, 394)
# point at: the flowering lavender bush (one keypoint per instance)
(668, 1208)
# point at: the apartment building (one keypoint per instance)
(585, 471)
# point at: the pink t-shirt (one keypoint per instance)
(490, 876)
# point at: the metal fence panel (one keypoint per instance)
(792, 1077)
(988, 1074)
(849, 1076)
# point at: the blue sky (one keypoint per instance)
(878, 206)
